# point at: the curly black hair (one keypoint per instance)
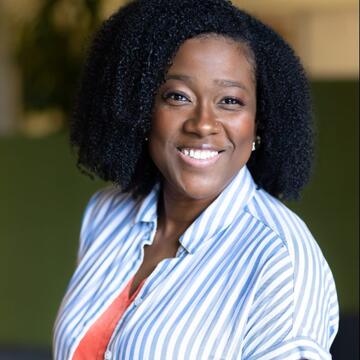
(127, 63)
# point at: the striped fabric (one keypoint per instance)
(94, 344)
(248, 282)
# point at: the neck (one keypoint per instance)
(177, 212)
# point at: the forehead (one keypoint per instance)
(215, 41)
(212, 53)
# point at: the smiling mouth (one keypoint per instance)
(199, 154)
(199, 157)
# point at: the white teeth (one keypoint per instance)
(199, 154)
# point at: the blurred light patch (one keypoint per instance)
(20, 11)
(37, 124)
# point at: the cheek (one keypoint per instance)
(156, 145)
(165, 126)
(160, 137)
(242, 132)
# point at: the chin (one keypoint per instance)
(200, 190)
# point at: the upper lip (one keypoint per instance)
(209, 147)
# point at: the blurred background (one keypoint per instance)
(42, 194)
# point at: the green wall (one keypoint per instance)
(330, 204)
(42, 197)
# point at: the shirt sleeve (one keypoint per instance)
(279, 324)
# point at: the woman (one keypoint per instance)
(201, 115)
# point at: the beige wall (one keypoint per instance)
(287, 6)
(331, 46)
(9, 82)
(325, 33)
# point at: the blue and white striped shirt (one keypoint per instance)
(248, 282)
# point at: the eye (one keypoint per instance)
(175, 98)
(232, 101)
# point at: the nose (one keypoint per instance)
(202, 121)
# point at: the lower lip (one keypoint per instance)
(199, 163)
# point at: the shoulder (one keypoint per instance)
(106, 207)
(287, 225)
(314, 305)
(103, 202)
(303, 250)
(277, 216)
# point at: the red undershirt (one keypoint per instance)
(93, 345)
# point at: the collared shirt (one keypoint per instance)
(248, 282)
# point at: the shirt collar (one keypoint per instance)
(215, 218)
(147, 211)
(221, 212)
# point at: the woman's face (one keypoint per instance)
(203, 121)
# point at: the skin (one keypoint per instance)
(207, 101)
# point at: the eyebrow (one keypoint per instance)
(230, 83)
(178, 77)
(220, 82)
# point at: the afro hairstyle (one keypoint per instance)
(126, 64)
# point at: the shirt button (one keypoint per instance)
(138, 301)
(107, 355)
